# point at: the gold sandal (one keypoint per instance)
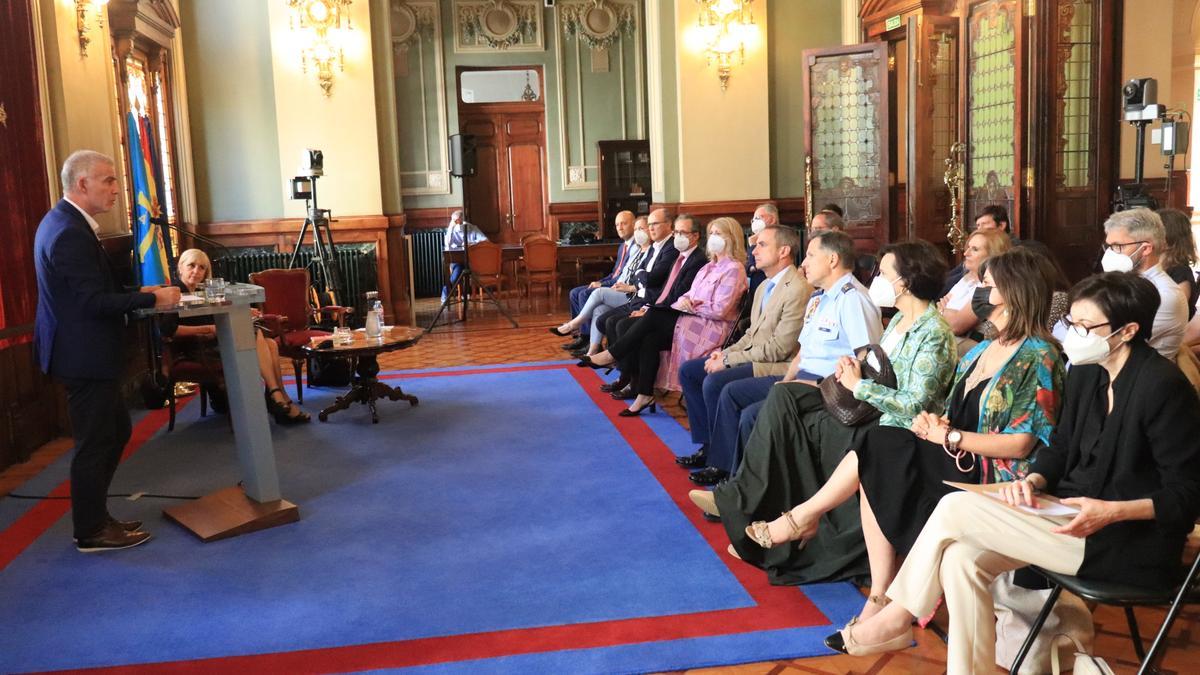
(760, 532)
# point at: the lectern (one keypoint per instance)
(257, 503)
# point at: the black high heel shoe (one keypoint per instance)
(282, 411)
(586, 362)
(630, 412)
(554, 329)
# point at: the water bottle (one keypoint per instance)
(374, 324)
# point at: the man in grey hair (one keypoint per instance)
(1133, 242)
(79, 340)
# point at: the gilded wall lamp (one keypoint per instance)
(725, 27)
(319, 23)
(85, 11)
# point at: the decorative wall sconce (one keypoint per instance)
(725, 27)
(84, 11)
(319, 23)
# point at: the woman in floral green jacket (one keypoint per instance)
(796, 444)
(1003, 406)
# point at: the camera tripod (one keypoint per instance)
(459, 292)
(324, 254)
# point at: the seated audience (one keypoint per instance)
(650, 328)
(1124, 454)
(711, 306)
(839, 319)
(1134, 240)
(835, 208)
(956, 305)
(776, 316)
(1002, 406)
(193, 268)
(1179, 256)
(624, 223)
(603, 299)
(796, 444)
(825, 221)
(651, 278)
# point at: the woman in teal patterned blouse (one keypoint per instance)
(796, 444)
(1003, 406)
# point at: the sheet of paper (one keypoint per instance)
(1045, 507)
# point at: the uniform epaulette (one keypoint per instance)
(848, 287)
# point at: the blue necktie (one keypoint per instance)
(766, 295)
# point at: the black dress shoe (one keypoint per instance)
(696, 460)
(624, 394)
(576, 344)
(579, 353)
(710, 476)
(127, 525)
(616, 385)
(111, 538)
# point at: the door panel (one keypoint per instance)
(933, 126)
(525, 170)
(846, 129)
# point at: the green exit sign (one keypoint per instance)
(892, 23)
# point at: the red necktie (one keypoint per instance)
(670, 280)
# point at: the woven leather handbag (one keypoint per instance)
(840, 401)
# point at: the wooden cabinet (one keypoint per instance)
(624, 181)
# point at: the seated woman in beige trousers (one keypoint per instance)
(1124, 453)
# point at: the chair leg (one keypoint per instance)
(299, 381)
(1135, 635)
(1160, 639)
(171, 405)
(203, 401)
(1035, 629)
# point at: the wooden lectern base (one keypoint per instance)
(229, 513)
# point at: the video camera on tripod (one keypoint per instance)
(1141, 108)
(304, 186)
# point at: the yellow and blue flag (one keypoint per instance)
(151, 250)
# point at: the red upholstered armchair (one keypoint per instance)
(185, 360)
(288, 314)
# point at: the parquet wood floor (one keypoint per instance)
(487, 338)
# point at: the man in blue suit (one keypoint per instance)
(78, 340)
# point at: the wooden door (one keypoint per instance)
(846, 133)
(993, 91)
(933, 124)
(525, 152)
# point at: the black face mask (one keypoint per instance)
(980, 305)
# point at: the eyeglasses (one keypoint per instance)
(683, 232)
(1080, 329)
(1119, 246)
(657, 222)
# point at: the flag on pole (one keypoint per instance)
(147, 236)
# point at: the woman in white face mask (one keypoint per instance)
(956, 305)
(1124, 455)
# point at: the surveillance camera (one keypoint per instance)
(312, 162)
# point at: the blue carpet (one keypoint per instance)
(504, 501)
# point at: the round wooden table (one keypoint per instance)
(363, 353)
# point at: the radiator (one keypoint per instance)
(358, 266)
(427, 266)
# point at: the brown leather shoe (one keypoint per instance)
(111, 538)
(127, 525)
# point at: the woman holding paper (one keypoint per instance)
(1124, 455)
(1002, 406)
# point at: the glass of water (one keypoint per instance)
(214, 290)
(342, 335)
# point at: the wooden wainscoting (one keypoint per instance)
(438, 217)
(1158, 188)
(31, 408)
(791, 209)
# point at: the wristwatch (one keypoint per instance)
(725, 360)
(953, 438)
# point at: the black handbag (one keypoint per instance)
(840, 401)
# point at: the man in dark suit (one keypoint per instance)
(653, 274)
(78, 340)
(625, 222)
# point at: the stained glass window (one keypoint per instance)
(991, 105)
(1076, 93)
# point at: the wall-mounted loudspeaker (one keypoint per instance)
(462, 155)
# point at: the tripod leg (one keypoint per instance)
(453, 296)
(492, 299)
(299, 243)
